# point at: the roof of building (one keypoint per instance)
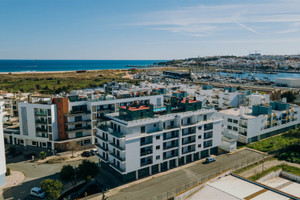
(135, 108)
(189, 101)
(247, 113)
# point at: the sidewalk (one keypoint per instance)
(12, 180)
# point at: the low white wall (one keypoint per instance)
(270, 176)
(290, 176)
(191, 191)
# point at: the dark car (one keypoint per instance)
(210, 160)
(94, 151)
(86, 154)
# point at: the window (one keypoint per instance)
(200, 127)
(235, 121)
(208, 135)
(199, 145)
(205, 117)
(143, 129)
(199, 136)
(229, 127)
(234, 128)
(207, 143)
(154, 125)
(34, 143)
(157, 147)
(208, 127)
(158, 137)
(157, 157)
(229, 120)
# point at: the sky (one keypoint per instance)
(147, 29)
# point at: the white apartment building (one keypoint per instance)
(38, 125)
(64, 123)
(140, 140)
(257, 98)
(2, 148)
(248, 125)
(220, 99)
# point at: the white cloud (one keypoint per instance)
(261, 19)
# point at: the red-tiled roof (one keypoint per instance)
(190, 101)
(132, 108)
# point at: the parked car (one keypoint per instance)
(37, 192)
(86, 154)
(94, 151)
(210, 160)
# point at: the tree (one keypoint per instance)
(87, 170)
(52, 188)
(43, 155)
(67, 174)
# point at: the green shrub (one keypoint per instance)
(7, 171)
(43, 155)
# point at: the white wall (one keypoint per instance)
(2, 150)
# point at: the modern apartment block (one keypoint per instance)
(65, 123)
(219, 99)
(248, 125)
(2, 148)
(38, 125)
(144, 139)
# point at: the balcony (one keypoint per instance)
(170, 146)
(116, 146)
(147, 152)
(77, 113)
(116, 167)
(38, 129)
(188, 151)
(170, 127)
(189, 124)
(170, 156)
(78, 122)
(111, 131)
(106, 110)
(72, 130)
(101, 147)
(102, 158)
(101, 138)
(192, 131)
(40, 113)
(171, 136)
(40, 122)
(116, 156)
(148, 162)
(184, 142)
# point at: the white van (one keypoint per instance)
(37, 192)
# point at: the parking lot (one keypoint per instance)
(151, 187)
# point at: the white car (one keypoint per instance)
(37, 192)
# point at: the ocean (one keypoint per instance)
(69, 65)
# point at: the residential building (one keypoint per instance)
(65, 123)
(2, 148)
(144, 139)
(248, 125)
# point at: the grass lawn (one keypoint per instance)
(284, 167)
(278, 142)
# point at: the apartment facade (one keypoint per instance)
(2, 148)
(142, 140)
(248, 125)
(66, 123)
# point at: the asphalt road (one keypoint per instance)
(181, 176)
(34, 174)
(145, 189)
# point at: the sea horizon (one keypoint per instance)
(28, 65)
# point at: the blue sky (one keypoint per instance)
(146, 29)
